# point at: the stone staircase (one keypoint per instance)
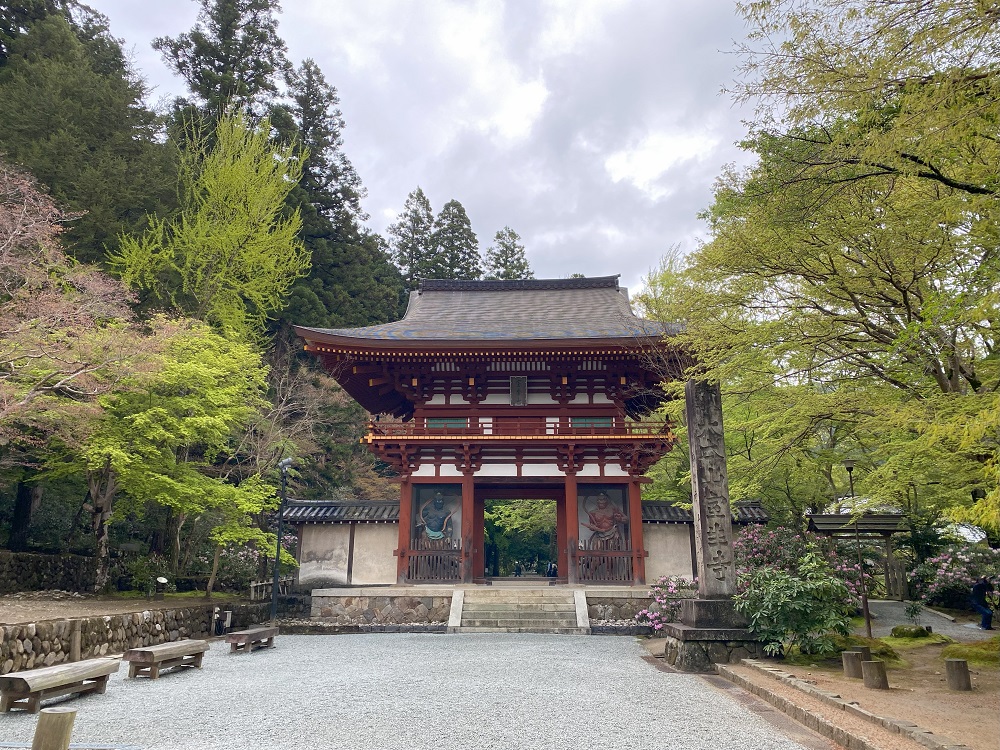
(519, 610)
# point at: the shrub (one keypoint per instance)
(783, 548)
(667, 593)
(946, 579)
(804, 608)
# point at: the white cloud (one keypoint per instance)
(653, 156)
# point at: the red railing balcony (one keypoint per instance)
(513, 428)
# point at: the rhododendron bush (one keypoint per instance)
(946, 579)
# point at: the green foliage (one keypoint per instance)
(232, 57)
(410, 237)
(804, 609)
(519, 530)
(946, 579)
(71, 111)
(455, 253)
(505, 258)
(847, 293)
(231, 255)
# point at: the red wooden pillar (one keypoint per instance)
(468, 521)
(572, 529)
(405, 525)
(479, 540)
(635, 532)
(561, 562)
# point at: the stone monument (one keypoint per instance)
(711, 631)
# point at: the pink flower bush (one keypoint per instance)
(946, 579)
(667, 594)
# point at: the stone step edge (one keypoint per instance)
(548, 631)
(822, 726)
(514, 622)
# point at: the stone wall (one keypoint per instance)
(25, 571)
(621, 606)
(369, 606)
(41, 644)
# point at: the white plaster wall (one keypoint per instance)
(541, 470)
(424, 470)
(669, 548)
(323, 559)
(498, 470)
(373, 558)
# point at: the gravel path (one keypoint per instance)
(382, 692)
(886, 614)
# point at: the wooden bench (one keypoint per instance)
(251, 639)
(29, 688)
(151, 659)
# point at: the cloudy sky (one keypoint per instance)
(594, 128)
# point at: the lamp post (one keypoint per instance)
(284, 465)
(849, 465)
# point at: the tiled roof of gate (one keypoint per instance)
(342, 511)
(656, 511)
(528, 310)
(387, 511)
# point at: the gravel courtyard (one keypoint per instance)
(382, 692)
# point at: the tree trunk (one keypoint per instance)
(26, 502)
(215, 569)
(102, 499)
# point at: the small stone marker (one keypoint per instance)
(873, 673)
(852, 663)
(957, 671)
(865, 651)
(55, 725)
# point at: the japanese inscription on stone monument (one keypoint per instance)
(710, 490)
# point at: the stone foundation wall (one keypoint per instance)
(703, 655)
(616, 608)
(41, 644)
(375, 609)
(25, 571)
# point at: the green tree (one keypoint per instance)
(164, 431)
(505, 258)
(410, 237)
(851, 271)
(351, 281)
(71, 111)
(231, 254)
(232, 58)
(455, 253)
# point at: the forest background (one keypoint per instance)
(152, 264)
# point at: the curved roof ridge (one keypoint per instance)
(503, 285)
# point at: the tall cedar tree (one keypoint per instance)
(351, 280)
(233, 57)
(411, 237)
(71, 111)
(456, 248)
(505, 258)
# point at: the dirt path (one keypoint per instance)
(54, 605)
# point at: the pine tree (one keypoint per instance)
(505, 258)
(456, 248)
(411, 237)
(233, 56)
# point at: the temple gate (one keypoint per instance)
(530, 389)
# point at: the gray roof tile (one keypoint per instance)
(534, 309)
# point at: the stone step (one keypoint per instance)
(494, 606)
(547, 630)
(518, 622)
(519, 594)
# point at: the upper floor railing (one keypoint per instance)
(515, 427)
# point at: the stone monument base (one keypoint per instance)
(710, 632)
(694, 649)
